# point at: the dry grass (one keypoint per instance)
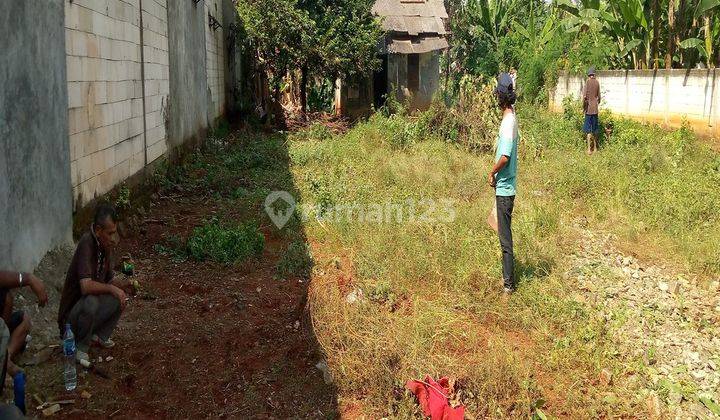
(431, 291)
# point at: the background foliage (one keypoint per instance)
(541, 38)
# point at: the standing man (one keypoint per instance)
(502, 177)
(591, 104)
(92, 299)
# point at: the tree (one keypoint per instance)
(344, 42)
(326, 38)
(279, 35)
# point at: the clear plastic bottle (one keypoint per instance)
(69, 351)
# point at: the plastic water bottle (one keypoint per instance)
(69, 351)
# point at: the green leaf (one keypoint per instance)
(706, 5)
(539, 415)
(524, 32)
(691, 43)
(695, 43)
(711, 405)
(629, 46)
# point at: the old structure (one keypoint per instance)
(410, 53)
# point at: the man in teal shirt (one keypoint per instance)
(504, 174)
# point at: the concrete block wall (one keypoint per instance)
(157, 76)
(119, 84)
(215, 60)
(105, 97)
(667, 97)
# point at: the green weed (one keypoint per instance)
(225, 244)
(297, 261)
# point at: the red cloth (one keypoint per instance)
(432, 397)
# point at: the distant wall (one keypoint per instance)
(107, 116)
(157, 76)
(188, 111)
(662, 96)
(216, 51)
(35, 194)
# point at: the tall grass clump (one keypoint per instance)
(469, 119)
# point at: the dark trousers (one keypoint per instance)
(504, 213)
(94, 314)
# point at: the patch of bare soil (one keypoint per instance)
(206, 340)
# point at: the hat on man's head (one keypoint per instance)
(591, 71)
(504, 83)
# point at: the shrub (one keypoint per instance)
(472, 122)
(226, 245)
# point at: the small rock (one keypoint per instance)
(652, 403)
(109, 358)
(100, 359)
(606, 377)
(675, 288)
(259, 289)
(635, 275)
(86, 395)
(663, 286)
(296, 325)
(323, 367)
(354, 296)
(698, 374)
(626, 261)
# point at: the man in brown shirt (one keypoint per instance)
(92, 299)
(591, 104)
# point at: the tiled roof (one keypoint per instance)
(412, 17)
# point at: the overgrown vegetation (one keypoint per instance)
(320, 39)
(425, 295)
(297, 261)
(540, 38)
(397, 298)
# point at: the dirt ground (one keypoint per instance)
(205, 341)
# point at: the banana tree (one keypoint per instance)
(490, 19)
(705, 10)
(632, 31)
(537, 39)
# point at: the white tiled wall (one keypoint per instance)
(215, 46)
(157, 77)
(105, 89)
(105, 94)
(663, 96)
